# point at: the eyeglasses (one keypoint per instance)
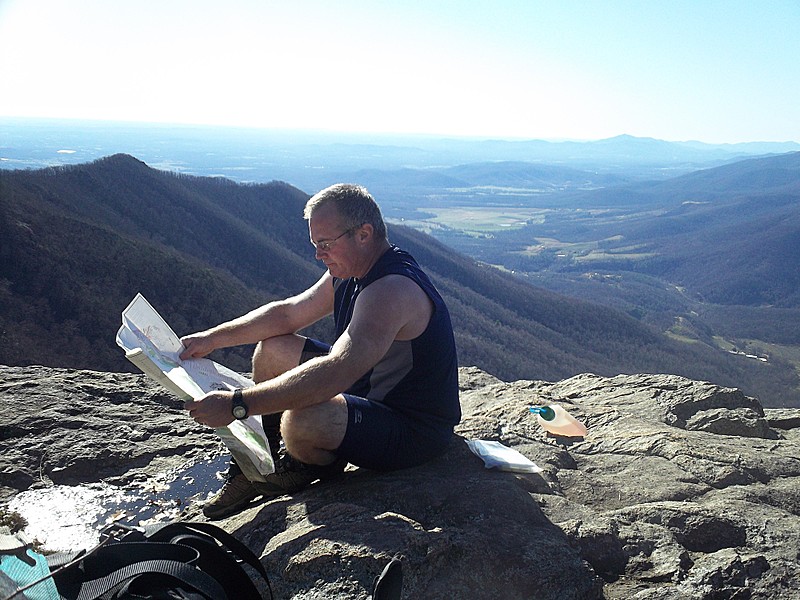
(326, 245)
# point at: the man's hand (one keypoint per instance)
(196, 345)
(213, 409)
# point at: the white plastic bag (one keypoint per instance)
(497, 456)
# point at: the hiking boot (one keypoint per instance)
(237, 492)
(291, 475)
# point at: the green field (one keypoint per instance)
(484, 220)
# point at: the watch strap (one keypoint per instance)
(238, 402)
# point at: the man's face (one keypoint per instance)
(334, 244)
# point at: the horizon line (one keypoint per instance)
(368, 134)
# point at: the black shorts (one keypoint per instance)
(380, 437)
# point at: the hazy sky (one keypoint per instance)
(715, 71)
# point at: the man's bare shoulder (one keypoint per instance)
(396, 285)
(398, 299)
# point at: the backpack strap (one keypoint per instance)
(202, 556)
(166, 531)
(108, 566)
(186, 574)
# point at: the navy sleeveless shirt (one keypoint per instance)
(418, 377)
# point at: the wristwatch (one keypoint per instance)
(239, 408)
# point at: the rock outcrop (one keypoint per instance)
(680, 489)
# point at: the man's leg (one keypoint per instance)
(271, 358)
(277, 355)
(311, 435)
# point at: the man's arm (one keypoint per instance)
(393, 307)
(275, 318)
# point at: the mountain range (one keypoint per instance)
(311, 160)
(711, 256)
(79, 241)
(730, 234)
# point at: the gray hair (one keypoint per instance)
(355, 206)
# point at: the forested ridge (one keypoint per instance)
(78, 242)
(729, 234)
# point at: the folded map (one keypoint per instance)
(152, 346)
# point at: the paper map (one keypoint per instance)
(151, 345)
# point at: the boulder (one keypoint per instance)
(64, 426)
(680, 489)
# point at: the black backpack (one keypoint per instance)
(182, 560)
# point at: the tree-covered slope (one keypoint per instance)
(79, 242)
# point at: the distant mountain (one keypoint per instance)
(730, 234)
(494, 182)
(623, 154)
(746, 247)
(527, 175)
(712, 256)
(542, 165)
(727, 184)
(312, 160)
(78, 242)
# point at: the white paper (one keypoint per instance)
(503, 458)
(151, 345)
(144, 329)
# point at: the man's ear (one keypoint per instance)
(365, 232)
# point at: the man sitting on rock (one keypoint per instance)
(383, 396)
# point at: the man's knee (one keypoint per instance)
(308, 430)
(299, 427)
(276, 355)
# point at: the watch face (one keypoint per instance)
(239, 411)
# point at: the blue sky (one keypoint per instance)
(714, 71)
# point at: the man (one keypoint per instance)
(383, 396)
